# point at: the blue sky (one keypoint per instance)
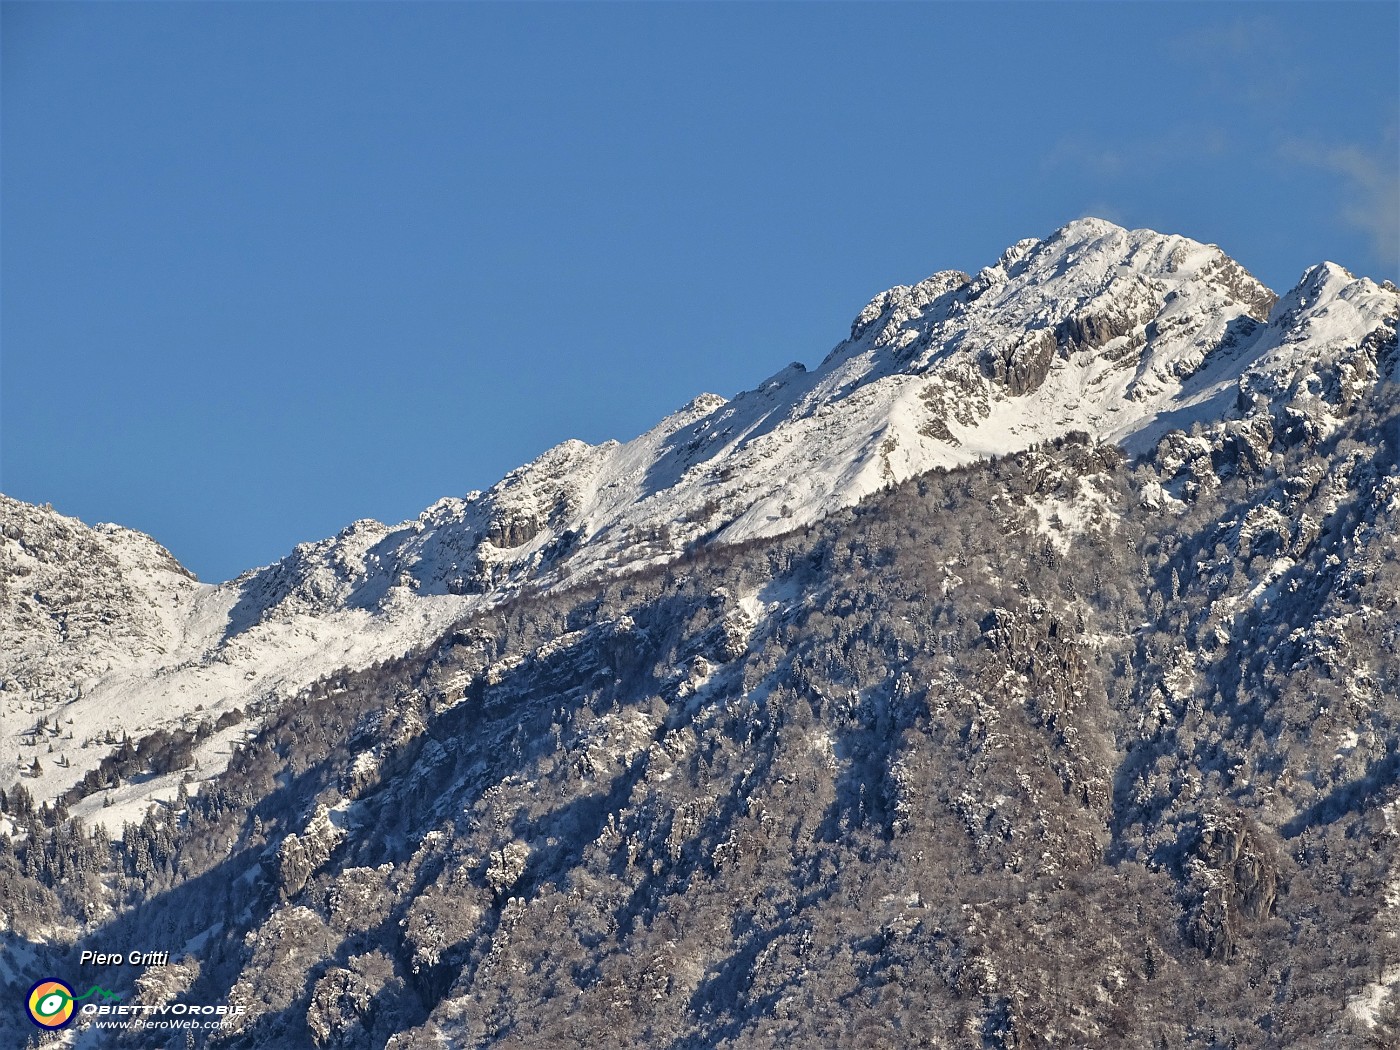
(268, 268)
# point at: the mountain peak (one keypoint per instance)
(1089, 226)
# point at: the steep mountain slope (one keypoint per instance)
(1122, 334)
(1023, 754)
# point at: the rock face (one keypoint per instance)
(1237, 876)
(1026, 362)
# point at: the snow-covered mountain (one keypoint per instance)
(1125, 335)
(1065, 745)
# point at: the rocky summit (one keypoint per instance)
(1024, 674)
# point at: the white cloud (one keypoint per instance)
(1132, 158)
(1102, 209)
(1245, 59)
(1370, 187)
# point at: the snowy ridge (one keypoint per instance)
(1126, 335)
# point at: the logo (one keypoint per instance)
(50, 1004)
